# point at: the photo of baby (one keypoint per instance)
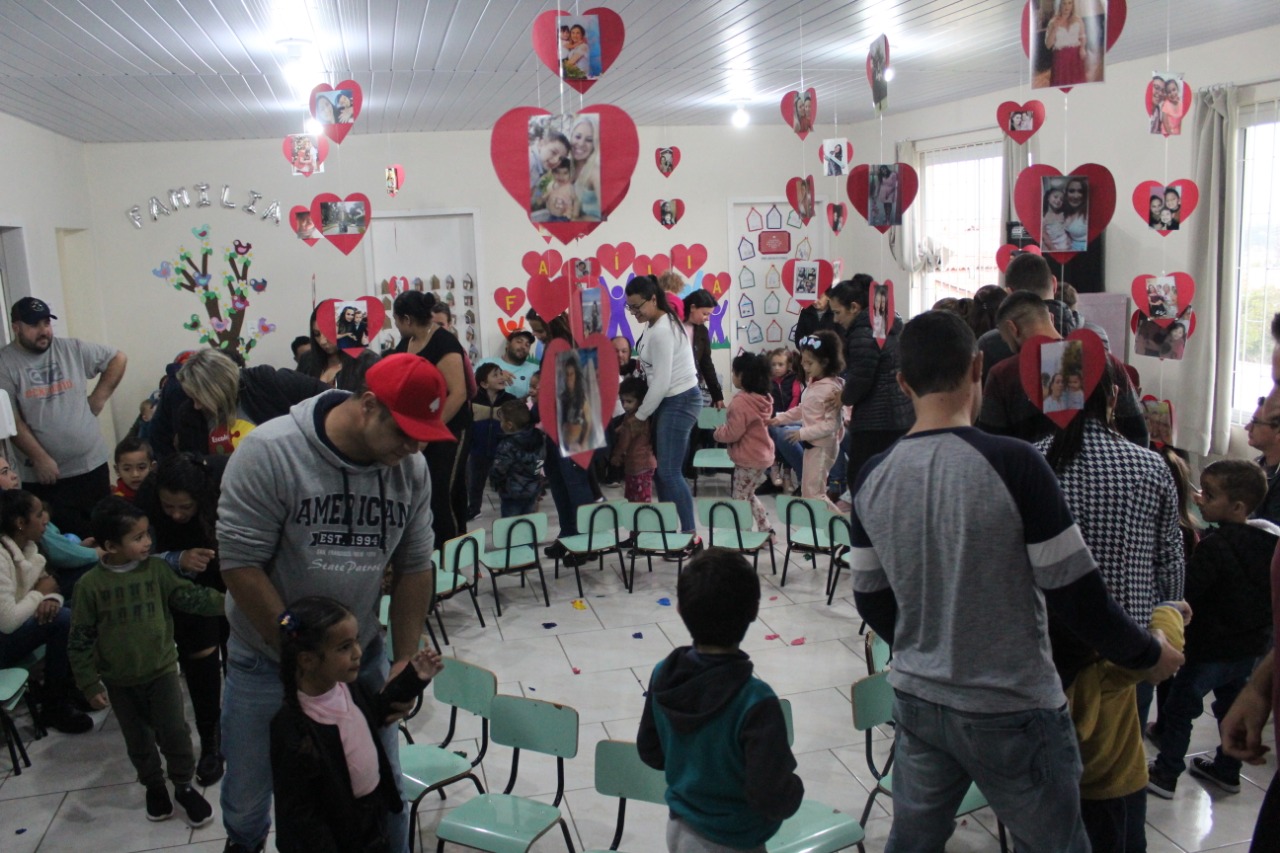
(564, 168)
(578, 401)
(1061, 376)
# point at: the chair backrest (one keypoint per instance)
(872, 702)
(656, 518)
(877, 653)
(838, 529)
(604, 517)
(466, 686)
(710, 417)
(786, 715)
(535, 725)
(727, 517)
(621, 773)
(807, 513)
(519, 530)
(462, 552)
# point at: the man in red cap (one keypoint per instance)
(318, 503)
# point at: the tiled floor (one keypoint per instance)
(595, 654)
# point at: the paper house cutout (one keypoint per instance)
(746, 278)
(755, 334)
(746, 308)
(794, 220)
(755, 222)
(804, 251)
(773, 279)
(772, 304)
(773, 219)
(746, 251)
(773, 334)
(793, 307)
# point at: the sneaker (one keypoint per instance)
(159, 806)
(572, 561)
(210, 767)
(195, 809)
(1208, 770)
(688, 552)
(554, 550)
(64, 718)
(232, 847)
(1160, 783)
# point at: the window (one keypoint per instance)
(1258, 270)
(960, 227)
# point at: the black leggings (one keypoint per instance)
(447, 467)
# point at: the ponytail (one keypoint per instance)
(647, 286)
(303, 628)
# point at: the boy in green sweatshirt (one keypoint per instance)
(121, 647)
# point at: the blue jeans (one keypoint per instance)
(1026, 763)
(792, 455)
(1186, 702)
(53, 635)
(517, 506)
(252, 696)
(675, 421)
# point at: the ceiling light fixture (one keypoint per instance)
(300, 66)
(741, 118)
(888, 74)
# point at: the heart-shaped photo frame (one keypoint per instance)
(668, 212)
(1159, 417)
(337, 107)
(655, 265)
(687, 260)
(615, 139)
(342, 221)
(582, 272)
(844, 158)
(1163, 298)
(800, 111)
(1018, 121)
(1171, 124)
(579, 63)
(589, 311)
(615, 261)
(509, 300)
(801, 196)
(1058, 376)
(303, 225)
(597, 365)
(717, 284)
(395, 179)
(546, 263)
(351, 323)
(1117, 13)
(877, 66)
(893, 193)
(883, 310)
(837, 216)
(1009, 251)
(549, 297)
(1165, 207)
(1156, 341)
(306, 152)
(805, 280)
(1030, 199)
(666, 159)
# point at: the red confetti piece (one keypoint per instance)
(771, 636)
(577, 671)
(798, 641)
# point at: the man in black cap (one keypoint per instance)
(61, 455)
(515, 362)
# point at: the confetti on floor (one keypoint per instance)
(638, 635)
(773, 598)
(577, 671)
(579, 604)
(548, 625)
(771, 636)
(798, 641)
(665, 602)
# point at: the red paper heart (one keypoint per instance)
(870, 67)
(679, 212)
(548, 297)
(335, 130)
(1094, 358)
(1161, 433)
(583, 272)
(1027, 199)
(675, 160)
(1117, 12)
(1185, 102)
(859, 182)
(606, 380)
(805, 124)
(687, 260)
(616, 260)
(1190, 198)
(356, 228)
(1004, 114)
(546, 41)
(509, 300)
(509, 152)
(837, 227)
(395, 179)
(546, 263)
(1185, 291)
(319, 151)
(1006, 253)
(645, 265)
(718, 284)
(346, 338)
(848, 153)
(296, 211)
(577, 310)
(795, 188)
(826, 275)
(880, 325)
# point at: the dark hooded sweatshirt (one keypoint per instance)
(719, 733)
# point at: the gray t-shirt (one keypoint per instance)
(50, 390)
(993, 530)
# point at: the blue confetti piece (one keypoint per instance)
(637, 636)
(532, 689)
(20, 831)
(665, 602)
(548, 625)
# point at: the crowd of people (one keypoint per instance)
(260, 514)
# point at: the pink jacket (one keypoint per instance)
(745, 432)
(822, 427)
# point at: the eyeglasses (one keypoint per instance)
(635, 308)
(1257, 423)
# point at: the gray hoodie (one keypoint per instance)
(319, 524)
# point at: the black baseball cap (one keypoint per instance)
(30, 310)
(522, 333)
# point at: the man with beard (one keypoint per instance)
(515, 362)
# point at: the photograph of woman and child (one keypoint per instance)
(305, 160)
(879, 311)
(668, 212)
(1166, 109)
(1064, 219)
(1061, 376)
(1069, 47)
(336, 107)
(1159, 342)
(343, 217)
(579, 47)
(882, 196)
(1166, 205)
(564, 168)
(578, 401)
(352, 324)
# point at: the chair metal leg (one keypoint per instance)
(1004, 842)
(432, 634)
(475, 602)
(543, 579)
(577, 573)
(773, 558)
(568, 839)
(786, 563)
(497, 602)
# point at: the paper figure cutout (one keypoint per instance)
(578, 47)
(877, 64)
(772, 304)
(773, 278)
(804, 251)
(667, 160)
(1163, 207)
(755, 222)
(1163, 298)
(1076, 53)
(1168, 99)
(1020, 122)
(1099, 200)
(618, 324)
(773, 218)
(715, 326)
(755, 334)
(342, 221)
(800, 111)
(746, 251)
(337, 107)
(746, 279)
(746, 308)
(773, 334)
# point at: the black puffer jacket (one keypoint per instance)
(1229, 589)
(871, 378)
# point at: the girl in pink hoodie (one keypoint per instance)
(822, 357)
(744, 431)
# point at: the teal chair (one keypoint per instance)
(13, 686)
(729, 525)
(656, 529)
(873, 706)
(515, 550)
(840, 535)
(504, 823)
(711, 459)
(877, 653)
(620, 773)
(603, 524)
(462, 552)
(425, 768)
(815, 827)
(805, 523)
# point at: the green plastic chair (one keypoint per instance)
(730, 522)
(805, 522)
(515, 550)
(503, 823)
(13, 686)
(840, 535)
(815, 827)
(462, 552)
(657, 531)
(603, 523)
(620, 773)
(873, 706)
(712, 459)
(877, 653)
(425, 768)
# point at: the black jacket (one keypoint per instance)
(1229, 589)
(811, 320)
(871, 378)
(702, 359)
(350, 375)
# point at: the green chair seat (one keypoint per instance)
(599, 541)
(449, 582)
(712, 457)
(12, 683)
(728, 538)
(518, 557)
(423, 766)
(973, 798)
(815, 539)
(816, 828)
(499, 823)
(656, 542)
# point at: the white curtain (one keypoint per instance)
(1205, 414)
(904, 241)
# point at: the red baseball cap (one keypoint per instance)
(414, 391)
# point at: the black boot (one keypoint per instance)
(212, 764)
